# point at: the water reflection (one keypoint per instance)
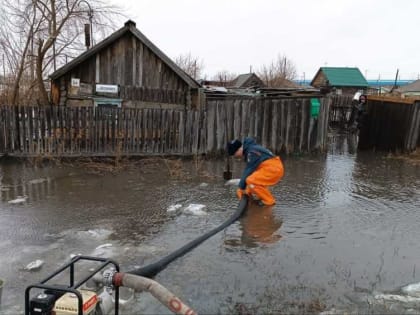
(259, 226)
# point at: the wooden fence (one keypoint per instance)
(282, 125)
(393, 124)
(340, 110)
(152, 95)
(70, 131)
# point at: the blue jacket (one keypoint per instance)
(254, 155)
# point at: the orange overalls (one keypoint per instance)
(268, 173)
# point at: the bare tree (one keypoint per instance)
(278, 72)
(224, 77)
(191, 65)
(35, 35)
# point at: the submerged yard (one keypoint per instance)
(344, 230)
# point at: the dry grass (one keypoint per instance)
(98, 166)
(176, 169)
(102, 165)
(413, 158)
(291, 307)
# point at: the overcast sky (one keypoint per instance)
(377, 36)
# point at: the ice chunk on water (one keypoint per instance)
(37, 181)
(232, 182)
(106, 250)
(34, 265)
(173, 208)
(107, 245)
(195, 209)
(99, 233)
(398, 298)
(19, 199)
(412, 289)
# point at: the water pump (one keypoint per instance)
(74, 298)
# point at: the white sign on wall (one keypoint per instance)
(75, 82)
(107, 88)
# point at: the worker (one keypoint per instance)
(358, 114)
(361, 113)
(263, 169)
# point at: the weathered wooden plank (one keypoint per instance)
(297, 128)
(188, 132)
(147, 131)
(70, 129)
(162, 131)
(294, 108)
(83, 129)
(322, 124)
(167, 134)
(194, 133)
(139, 141)
(93, 126)
(50, 131)
(125, 113)
(182, 130)
(414, 128)
(158, 130)
(152, 126)
(77, 131)
(220, 125)
(122, 130)
(174, 128)
(135, 133)
(102, 132)
(155, 122)
(266, 123)
(130, 131)
(274, 126)
(230, 123)
(211, 130)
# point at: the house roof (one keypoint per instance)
(412, 87)
(242, 79)
(343, 76)
(129, 27)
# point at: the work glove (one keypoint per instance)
(240, 193)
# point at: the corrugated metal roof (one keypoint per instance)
(412, 87)
(340, 76)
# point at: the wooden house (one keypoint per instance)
(340, 80)
(247, 80)
(125, 70)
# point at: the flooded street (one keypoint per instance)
(345, 229)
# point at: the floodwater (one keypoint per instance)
(345, 229)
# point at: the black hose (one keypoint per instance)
(153, 269)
